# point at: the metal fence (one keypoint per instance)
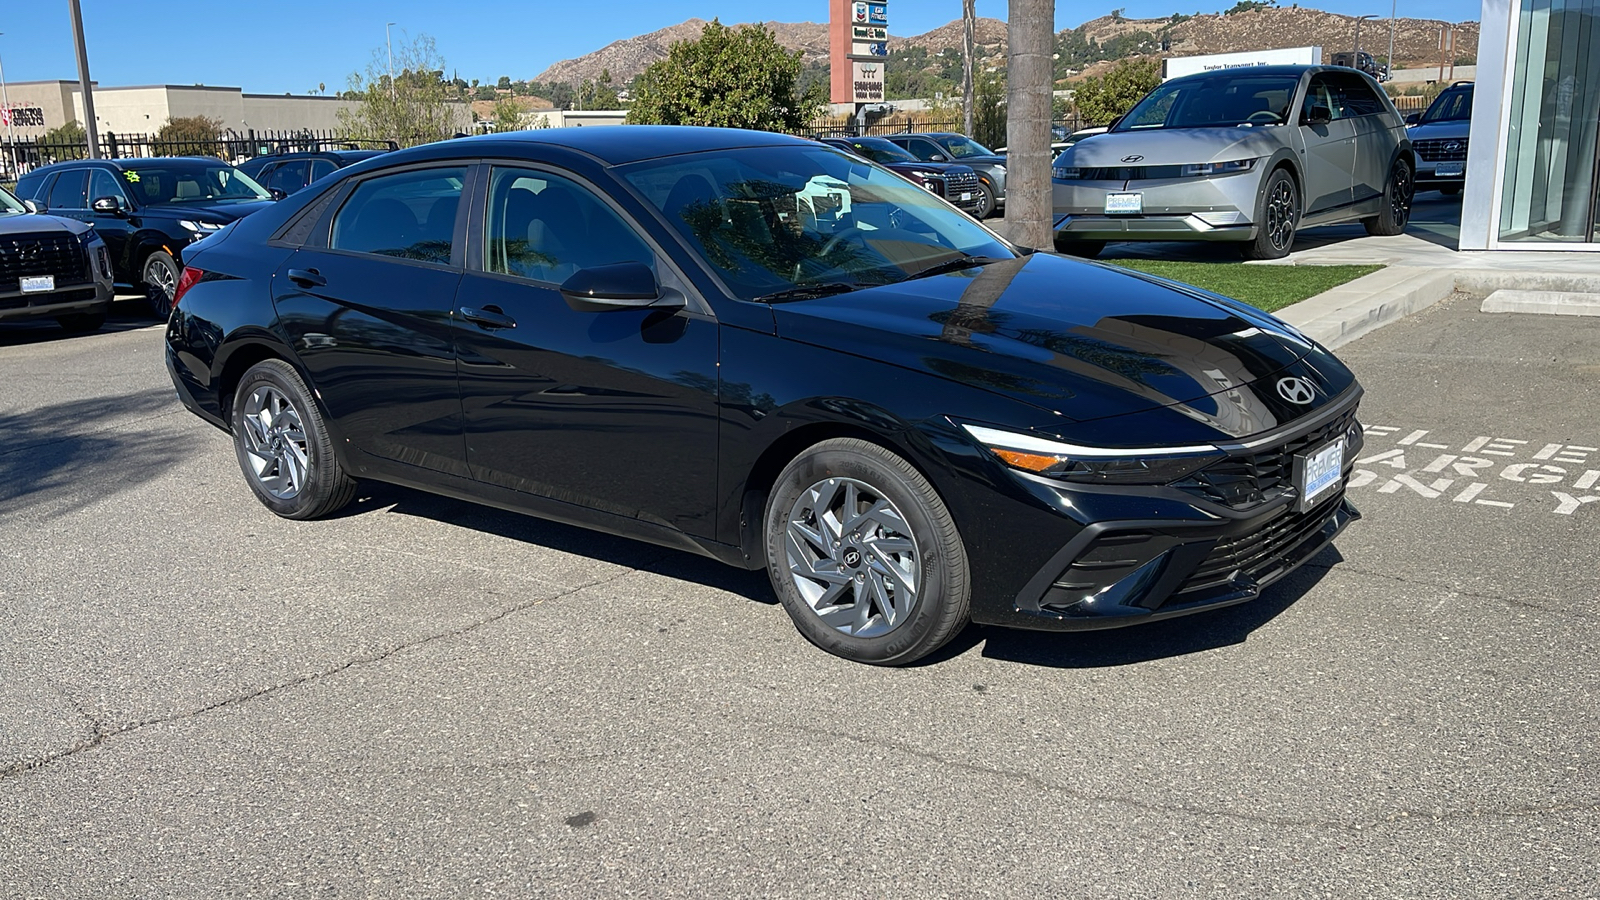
(27, 154)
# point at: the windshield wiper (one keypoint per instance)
(952, 265)
(808, 292)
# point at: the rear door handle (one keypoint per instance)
(488, 317)
(307, 277)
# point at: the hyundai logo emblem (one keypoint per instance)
(852, 557)
(1296, 390)
(1132, 159)
(1453, 147)
(29, 252)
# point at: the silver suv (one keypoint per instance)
(1439, 137)
(1246, 155)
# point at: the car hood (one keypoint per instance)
(1079, 340)
(219, 213)
(1453, 128)
(933, 168)
(980, 161)
(1174, 147)
(34, 223)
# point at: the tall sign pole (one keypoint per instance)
(858, 45)
(84, 84)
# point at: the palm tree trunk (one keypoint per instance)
(968, 21)
(1031, 32)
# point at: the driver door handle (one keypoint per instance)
(488, 317)
(307, 278)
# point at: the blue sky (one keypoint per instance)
(292, 45)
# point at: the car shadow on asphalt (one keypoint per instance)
(1141, 643)
(125, 315)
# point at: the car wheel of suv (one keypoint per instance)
(1279, 213)
(1085, 249)
(1397, 196)
(986, 204)
(864, 555)
(80, 323)
(160, 283)
(283, 446)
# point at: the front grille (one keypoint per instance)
(1249, 479)
(1438, 150)
(959, 182)
(61, 255)
(1260, 549)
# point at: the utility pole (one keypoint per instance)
(89, 126)
(389, 44)
(1030, 76)
(1388, 61)
(969, 17)
(11, 137)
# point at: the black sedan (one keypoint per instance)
(779, 355)
(147, 210)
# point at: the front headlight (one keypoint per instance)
(1221, 168)
(1094, 465)
(199, 227)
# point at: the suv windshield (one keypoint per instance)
(1228, 99)
(963, 147)
(178, 181)
(10, 205)
(1450, 106)
(772, 219)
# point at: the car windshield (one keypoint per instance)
(771, 220)
(963, 147)
(881, 151)
(1450, 106)
(191, 182)
(9, 205)
(1228, 99)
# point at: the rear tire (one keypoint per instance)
(892, 583)
(283, 446)
(81, 323)
(1085, 249)
(160, 276)
(1277, 217)
(1398, 193)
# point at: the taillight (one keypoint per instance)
(191, 277)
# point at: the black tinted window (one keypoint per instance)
(546, 227)
(1357, 95)
(319, 168)
(1322, 92)
(1450, 106)
(104, 184)
(410, 215)
(67, 192)
(289, 177)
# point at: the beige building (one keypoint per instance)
(38, 106)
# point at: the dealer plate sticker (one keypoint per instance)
(1449, 169)
(966, 195)
(37, 284)
(1125, 203)
(1320, 473)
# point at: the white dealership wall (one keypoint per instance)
(1178, 66)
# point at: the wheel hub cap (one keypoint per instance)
(275, 443)
(852, 557)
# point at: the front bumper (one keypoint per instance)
(1220, 208)
(77, 293)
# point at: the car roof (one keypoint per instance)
(123, 161)
(613, 145)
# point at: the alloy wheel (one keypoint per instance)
(1281, 214)
(1400, 194)
(275, 443)
(159, 276)
(852, 557)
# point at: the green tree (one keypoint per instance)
(732, 77)
(70, 133)
(504, 83)
(989, 111)
(1105, 97)
(507, 114)
(414, 110)
(600, 94)
(193, 135)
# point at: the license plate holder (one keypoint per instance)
(1449, 170)
(1318, 473)
(38, 284)
(1125, 204)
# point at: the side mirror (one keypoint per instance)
(107, 206)
(32, 206)
(628, 285)
(937, 157)
(1413, 118)
(1319, 115)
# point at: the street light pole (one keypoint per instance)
(90, 127)
(11, 137)
(1357, 48)
(390, 44)
(1389, 60)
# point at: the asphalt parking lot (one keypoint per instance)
(426, 698)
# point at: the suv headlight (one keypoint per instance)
(1094, 465)
(199, 227)
(1221, 168)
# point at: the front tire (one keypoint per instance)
(81, 323)
(1278, 217)
(1397, 196)
(986, 201)
(160, 276)
(864, 555)
(283, 446)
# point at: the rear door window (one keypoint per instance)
(407, 215)
(68, 191)
(321, 167)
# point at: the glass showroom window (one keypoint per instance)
(1550, 185)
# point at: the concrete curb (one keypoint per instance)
(1336, 317)
(1549, 303)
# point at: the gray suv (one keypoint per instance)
(1245, 155)
(1439, 137)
